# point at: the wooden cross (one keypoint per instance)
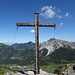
(36, 24)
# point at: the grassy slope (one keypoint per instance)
(49, 68)
(6, 68)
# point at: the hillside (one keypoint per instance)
(51, 51)
(23, 46)
(53, 44)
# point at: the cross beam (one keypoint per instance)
(36, 24)
(33, 24)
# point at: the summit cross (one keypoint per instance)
(36, 24)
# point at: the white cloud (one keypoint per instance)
(60, 25)
(59, 16)
(67, 14)
(48, 12)
(32, 31)
(66, 34)
(53, 12)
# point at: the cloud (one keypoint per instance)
(66, 34)
(53, 12)
(32, 31)
(67, 14)
(59, 16)
(60, 25)
(48, 12)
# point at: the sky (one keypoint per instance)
(60, 12)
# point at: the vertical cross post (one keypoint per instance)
(37, 42)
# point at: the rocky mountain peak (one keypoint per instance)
(53, 44)
(30, 43)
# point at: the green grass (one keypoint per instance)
(6, 68)
(49, 68)
(4, 71)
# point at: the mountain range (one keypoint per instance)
(51, 51)
(53, 44)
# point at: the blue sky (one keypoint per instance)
(60, 12)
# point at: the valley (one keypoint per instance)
(53, 53)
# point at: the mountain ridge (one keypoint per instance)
(25, 54)
(53, 44)
(23, 45)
